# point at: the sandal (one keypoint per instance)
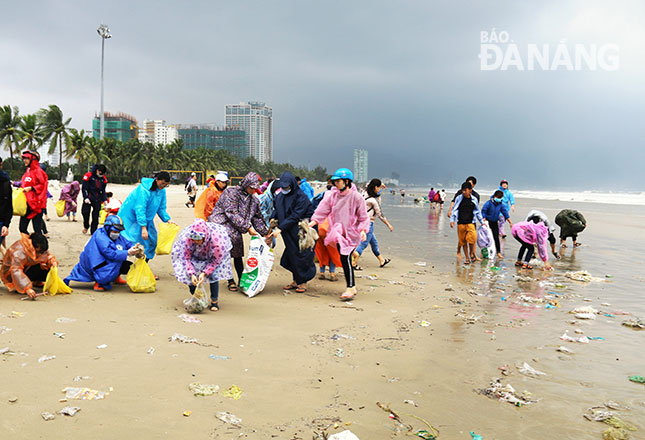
(232, 287)
(577, 245)
(347, 296)
(387, 260)
(518, 263)
(214, 307)
(357, 268)
(333, 277)
(322, 276)
(527, 266)
(290, 286)
(301, 289)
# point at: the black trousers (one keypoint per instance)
(95, 209)
(36, 273)
(525, 247)
(348, 269)
(37, 221)
(238, 262)
(494, 228)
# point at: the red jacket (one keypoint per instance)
(36, 178)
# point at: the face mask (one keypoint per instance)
(498, 200)
(378, 193)
(114, 235)
(286, 191)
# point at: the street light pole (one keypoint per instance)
(104, 32)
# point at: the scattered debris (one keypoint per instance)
(218, 357)
(45, 358)
(635, 323)
(424, 323)
(227, 417)
(187, 413)
(505, 369)
(421, 263)
(597, 414)
(59, 335)
(4, 330)
(338, 336)
(581, 339)
(187, 318)
(563, 349)
(583, 276)
(344, 435)
(637, 379)
(456, 300)
(69, 411)
(80, 378)
(102, 346)
(47, 416)
(475, 436)
(527, 370)
(64, 320)
(200, 389)
(181, 338)
(83, 393)
(151, 351)
(505, 393)
(233, 392)
(615, 434)
(410, 402)
(339, 353)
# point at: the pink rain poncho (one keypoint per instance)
(347, 218)
(212, 257)
(533, 233)
(69, 193)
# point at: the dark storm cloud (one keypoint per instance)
(401, 79)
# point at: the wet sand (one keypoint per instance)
(297, 379)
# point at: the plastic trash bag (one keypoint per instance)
(483, 239)
(19, 202)
(344, 435)
(198, 301)
(102, 216)
(60, 208)
(140, 278)
(257, 268)
(53, 283)
(165, 237)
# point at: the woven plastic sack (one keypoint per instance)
(19, 202)
(165, 236)
(53, 283)
(140, 278)
(257, 268)
(60, 208)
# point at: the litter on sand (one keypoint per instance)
(181, 338)
(69, 411)
(527, 370)
(102, 346)
(233, 392)
(421, 263)
(637, 379)
(218, 357)
(4, 329)
(227, 417)
(64, 320)
(635, 323)
(615, 434)
(83, 393)
(474, 436)
(344, 435)
(505, 393)
(46, 358)
(201, 389)
(581, 339)
(583, 276)
(187, 318)
(563, 349)
(47, 416)
(584, 309)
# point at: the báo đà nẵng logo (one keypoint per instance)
(499, 52)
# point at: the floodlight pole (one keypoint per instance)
(104, 32)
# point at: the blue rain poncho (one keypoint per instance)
(101, 259)
(139, 210)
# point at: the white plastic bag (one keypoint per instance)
(198, 301)
(257, 267)
(485, 240)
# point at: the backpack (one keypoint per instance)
(436, 198)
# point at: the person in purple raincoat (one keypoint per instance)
(69, 193)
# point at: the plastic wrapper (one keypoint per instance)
(83, 393)
(60, 208)
(19, 202)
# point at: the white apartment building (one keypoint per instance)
(360, 165)
(157, 132)
(256, 119)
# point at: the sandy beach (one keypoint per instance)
(422, 336)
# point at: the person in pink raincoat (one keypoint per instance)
(529, 234)
(69, 193)
(348, 222)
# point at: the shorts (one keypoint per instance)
(467, 234)
(191, 198)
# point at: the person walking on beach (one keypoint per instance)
(34, 184)
(207, 200)
(571, 223)
(507, 200)
(473, 182)
(431, 195)
(327, 255)
(492, 211)
(465, 212)
(202, 254)
(105, 257)
(191, 189)
(69, 194)
(26, 264)
(292, 205)
(373, 205)
(536, 216)
(529, 234)
(140, 208)
(93, 189)
(349, 222)
(6, 205)
(238, 210)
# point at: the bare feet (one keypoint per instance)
(500, 256)
(333, 277)
(474, 258)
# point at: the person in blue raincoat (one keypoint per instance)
(291, 206)
(140, 208)
(104, 258)
(306, 188)
(509, 201)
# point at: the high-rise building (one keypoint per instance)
(256, 120)
(118, 126)
(360, 165)
(214, 138)
(157, 132)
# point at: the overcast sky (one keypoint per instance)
(399, 78)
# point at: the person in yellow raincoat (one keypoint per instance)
(26, 264)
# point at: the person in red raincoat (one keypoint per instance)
(34, 184)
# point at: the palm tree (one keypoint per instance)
(78, 145)
(30, 132)
(55, 130)
(9, 122)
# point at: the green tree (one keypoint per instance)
(9, 127)
(55, 129)
(30, 132)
